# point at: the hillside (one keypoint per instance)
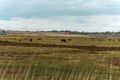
(3, 32)
(63, 33)
(45, 33)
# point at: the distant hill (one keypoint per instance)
(65, 33)
(3, 32)
(91, 34)
(44, 33)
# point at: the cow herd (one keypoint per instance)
(30, 39)
(69, 39)
(26, 39)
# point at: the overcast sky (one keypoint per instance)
(75, 15)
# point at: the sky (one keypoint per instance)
(74, 15)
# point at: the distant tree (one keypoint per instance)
(54, 31)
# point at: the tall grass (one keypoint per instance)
(80, 66)
(47, 63)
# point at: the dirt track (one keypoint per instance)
(94, 48)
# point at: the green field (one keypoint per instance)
(19, 62)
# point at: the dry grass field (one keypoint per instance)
(49, 58)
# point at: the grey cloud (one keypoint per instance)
(79, 15)
(49, 8)
(80, 23)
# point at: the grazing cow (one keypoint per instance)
(30, 39)
(25, 38)
(109, 39)
(38, 38)
(69, 39)
(20, 40)
(118, 39)
(63, 40)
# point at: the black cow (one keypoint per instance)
(63, 40)
(69, 39)
(20, 40)
(30, 39)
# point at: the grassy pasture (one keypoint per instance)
(83, 41)
(58, 63)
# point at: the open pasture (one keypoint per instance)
(58, 63)
(77, 41)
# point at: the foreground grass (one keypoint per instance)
(38, 63)
(58, 63)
